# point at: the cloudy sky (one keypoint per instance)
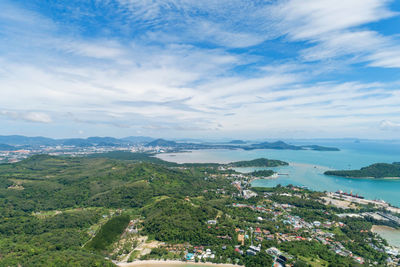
(203, 69)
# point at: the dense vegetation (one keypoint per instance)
(109, 233)
(178, 221)
(378, 170)
(60, 198)
(58, 211)
(260, 162)
(262, 173)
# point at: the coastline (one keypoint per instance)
(367, 178)
(392, 235)
(307, 168)
(155, 263)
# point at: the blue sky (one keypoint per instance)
(202, 69)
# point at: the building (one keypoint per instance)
(189, 256)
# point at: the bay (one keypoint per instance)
(307, 167)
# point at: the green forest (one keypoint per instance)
(377, 170)
(260, 162)
(262, 173)
(71, 211)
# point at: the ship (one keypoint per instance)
(340, 192)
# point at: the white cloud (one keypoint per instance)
(177, 85)
(105, 49)
(32, 116)
(312, 19)
(389, 125)
(332, 28)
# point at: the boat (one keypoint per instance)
(340, 192)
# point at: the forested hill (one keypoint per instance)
(33, 192)
(260, 162)
(378, 170)
(148, 157)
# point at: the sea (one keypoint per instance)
(306, 167)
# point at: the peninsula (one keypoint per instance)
(376, 171)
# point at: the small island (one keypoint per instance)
(376, 171)
(260, 162)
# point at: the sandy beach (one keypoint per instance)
(171, 263)
(390, 234)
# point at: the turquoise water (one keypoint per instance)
(307, 167)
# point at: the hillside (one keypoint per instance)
(84, 211)
(85, 189)
(377, 171)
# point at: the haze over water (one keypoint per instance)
(307, 167)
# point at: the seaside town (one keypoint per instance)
(21, 153)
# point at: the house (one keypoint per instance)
(241, 239)
(266, 232)
(249, 194)
(270, 237)
(239, 251)
(211, 222)
(273, 251)
(256, 249)
(359, 260)
(250, 252)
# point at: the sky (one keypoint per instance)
(200, 69)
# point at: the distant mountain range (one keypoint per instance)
(14, 142)
(5, 147)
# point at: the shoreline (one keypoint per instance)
(389, 233)
(154, 263)
(367, 178)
